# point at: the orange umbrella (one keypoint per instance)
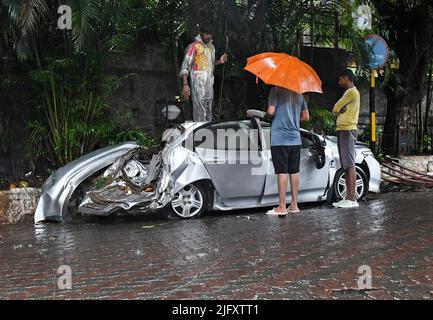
(285, 71)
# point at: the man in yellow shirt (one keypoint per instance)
(347, 112)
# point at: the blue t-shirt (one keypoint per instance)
(285, 128)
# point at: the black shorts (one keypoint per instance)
(286, 159)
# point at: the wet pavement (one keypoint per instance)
(237, 255)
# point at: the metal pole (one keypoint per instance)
(373, 111)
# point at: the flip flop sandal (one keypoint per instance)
(274, 213)
(292, 211)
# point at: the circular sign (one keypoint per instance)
(378, 50)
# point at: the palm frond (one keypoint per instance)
(20, 21)
(86, 16)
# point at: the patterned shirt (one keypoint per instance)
(199, 61)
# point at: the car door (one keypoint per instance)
(312, 181)
(233, 161)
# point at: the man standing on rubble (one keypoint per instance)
(199, 63)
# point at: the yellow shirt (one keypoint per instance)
(348, 120)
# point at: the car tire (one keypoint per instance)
(189, 203)
(339, 187)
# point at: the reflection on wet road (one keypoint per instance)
(237, 255)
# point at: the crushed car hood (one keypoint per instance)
(59, 187)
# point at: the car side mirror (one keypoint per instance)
(319, 152)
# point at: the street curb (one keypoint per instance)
(16, 204)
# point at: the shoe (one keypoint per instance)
(293, 211)
(274, 213)
(346, 204)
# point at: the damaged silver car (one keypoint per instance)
(202, 166)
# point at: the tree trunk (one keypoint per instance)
(390, 138)
(409, 32)
(429, 99)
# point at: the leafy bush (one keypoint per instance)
(72, 110)
(321, 121)
(131, 135)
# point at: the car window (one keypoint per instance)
(231, 135)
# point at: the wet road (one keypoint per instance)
(238, 255)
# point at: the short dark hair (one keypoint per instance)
(206, 28)
(348, 74)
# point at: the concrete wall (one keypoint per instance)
(18, 203)
(154, 79)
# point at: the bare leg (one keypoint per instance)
(351, 183)
(294, 187)
(282, 192)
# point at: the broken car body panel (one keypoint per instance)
(183, 162)
(59, 187)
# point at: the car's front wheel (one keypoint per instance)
(339, 186)
(190, 202)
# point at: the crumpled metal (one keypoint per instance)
(128, 184)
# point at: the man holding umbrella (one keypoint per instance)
(287, 109)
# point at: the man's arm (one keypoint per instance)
(342, 103)
(270, 113)
(272, 103)
(184, 70)
(221, 60)
(305, 116)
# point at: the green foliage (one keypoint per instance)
(19, 25)
(73, 86)
(5, 134)
(365, 137)
(427, 144)
(99, 182)
(120, 129)
(159, 133)
(366, 134)
(4, 183)
(131, 135)
(71, 110)
(321, 121)
(379, 154)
